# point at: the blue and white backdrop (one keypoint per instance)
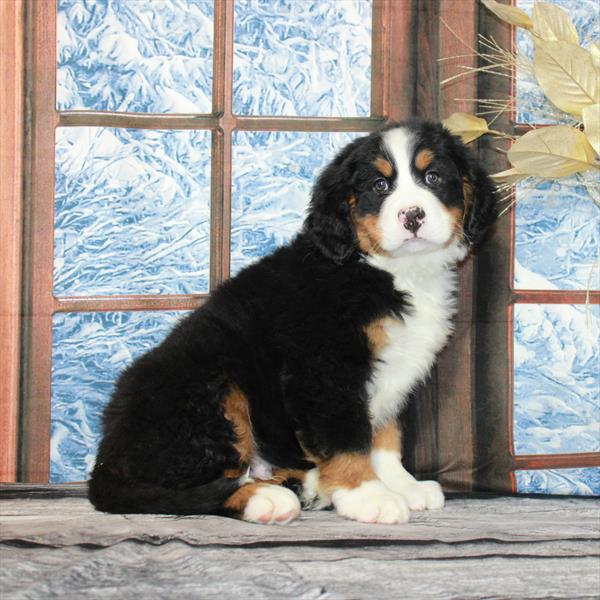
(132, 209)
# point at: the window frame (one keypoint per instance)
(498, 296)
(407, 40)
(12, 56)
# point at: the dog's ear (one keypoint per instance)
(329, 222)
(479, 193)
(481, 208)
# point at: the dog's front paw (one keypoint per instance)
(421, 495)
(370, 502)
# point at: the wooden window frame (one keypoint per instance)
(407, 39)
(11, 182)
(497, 299)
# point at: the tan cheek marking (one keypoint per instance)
(384, 167)
(387, 438)
(235, 408)
(369, 234)
(423, 159)
(347, 470)
(456, 218)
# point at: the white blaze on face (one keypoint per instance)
(437, 226)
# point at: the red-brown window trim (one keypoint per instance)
(526, 296)
(495, 336)
(43, 121)
(11, 182)
(408, 38)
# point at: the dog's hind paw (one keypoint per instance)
(272, 504)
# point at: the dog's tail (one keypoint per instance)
(110, 493)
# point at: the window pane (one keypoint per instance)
(132, 211)
(119, 55)
(557, 236)
(309, 58)
(273, 173)
(556, 380)
(568, 482)
(532, 104)
(89, 350)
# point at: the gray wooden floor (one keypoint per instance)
(59, 547)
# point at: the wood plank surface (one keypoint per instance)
(178, 571)
(73, 521)
(500, 547)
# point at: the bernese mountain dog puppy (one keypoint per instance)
(284, 388)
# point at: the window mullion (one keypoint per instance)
(129, 302)
(38, 302)
(557, 461)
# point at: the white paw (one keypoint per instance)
(421, 495)
(370, 502)
(272, 504)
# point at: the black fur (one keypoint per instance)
(287, 331)
(455, 161)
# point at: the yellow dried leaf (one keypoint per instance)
(468, 127)
(509, 176)
(552, 23)
(595, 52)
(591, 123)
(567, 75)
(510, 14)
(553, 151)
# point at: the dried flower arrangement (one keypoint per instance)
(569, 76)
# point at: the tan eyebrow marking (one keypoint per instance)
(383, 166)
(423, 159)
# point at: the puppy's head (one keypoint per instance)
(411, 188)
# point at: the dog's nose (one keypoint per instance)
(412, 218)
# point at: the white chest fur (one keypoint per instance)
(413, 343)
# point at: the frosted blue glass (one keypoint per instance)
(132, 56)
(557, 239)
(567, 482)
(273, 173)
(556, 378)
(89, 350)
(308, 58)
(531, 103)
(132, 211)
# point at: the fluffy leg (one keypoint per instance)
(387, 464)
(357, 494)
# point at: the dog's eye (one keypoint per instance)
(381, 185)
(432, 178)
